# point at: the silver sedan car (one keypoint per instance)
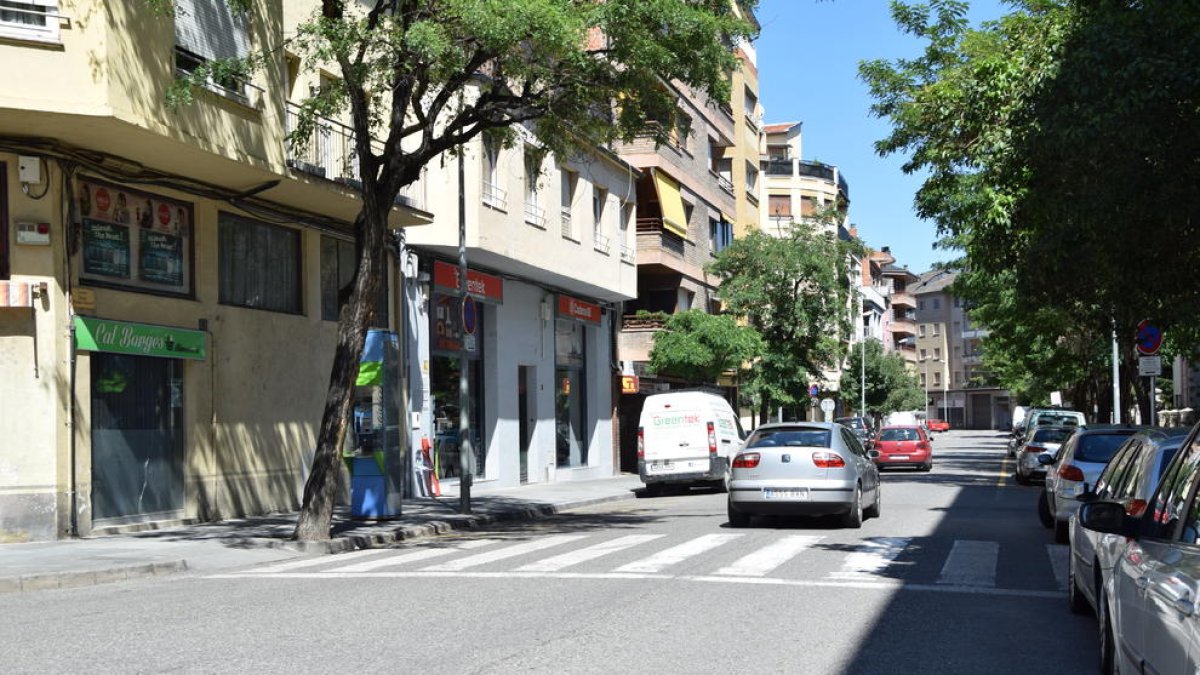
(803, 469)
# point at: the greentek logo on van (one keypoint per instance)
(674, 420)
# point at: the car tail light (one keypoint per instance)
(1033, 447)
(1136, 508)
(923, 445)
(828, 460)
(712, 439)
(641, 443)
(746, 460)
(1071, 472)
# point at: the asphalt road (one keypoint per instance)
(957, 576)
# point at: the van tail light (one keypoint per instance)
(828, 460)
(1136, 508)
(712, 439)
(746, 460)
(1071, 472)
(641, 443)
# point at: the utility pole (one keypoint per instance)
(1116, 377)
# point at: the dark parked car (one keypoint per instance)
(861, 427)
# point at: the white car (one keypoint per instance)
(1077, 465)
(803, 469)
(1042, 440)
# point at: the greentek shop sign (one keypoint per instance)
(102, 335)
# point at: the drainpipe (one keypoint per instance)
(72, 415)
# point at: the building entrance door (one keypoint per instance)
(525, 388)
(137, 436)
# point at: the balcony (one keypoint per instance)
(601, 243)
(535, 215)
(329, 153)
(903, 299)
(653, 235)
(568, 225)
(628, 254)
(903, 327)
(974, 334)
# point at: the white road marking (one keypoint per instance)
(414, 556)
(583, 555)
(767, 558)
(676, 554)
(881, 584)
(505, 553)
(1060, 558)
(971, 563)
(319, 560)
(871, 557)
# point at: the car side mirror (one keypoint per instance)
(1045, 459)
(873, 454)
(1087, 495)
(1107, 517)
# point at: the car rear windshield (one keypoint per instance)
(899, 435)
(1052, 436)
(1057, 420)
(811, 438)
(852, 422)
(1098, 448)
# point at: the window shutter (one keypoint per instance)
(779, 206)
(211, 30)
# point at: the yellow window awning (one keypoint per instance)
(671, 203)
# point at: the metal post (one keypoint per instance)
(466, 475)
(862, 386)
(1153, 416)
(1116, 377)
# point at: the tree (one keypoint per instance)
(698, 347)
(1072, 189)
(890, 385)
(794, 291)
(427, 76)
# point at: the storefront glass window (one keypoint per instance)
(569, 396)
(444, 374)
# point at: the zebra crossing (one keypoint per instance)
(917, 563)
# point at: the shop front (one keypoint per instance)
(137, 374)
(576, 318)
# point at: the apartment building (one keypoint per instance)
(169, 279)
(949, 360)
(740, 161)
(898, 326)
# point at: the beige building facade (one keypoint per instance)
(168, 277)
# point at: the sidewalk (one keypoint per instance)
(213, 547)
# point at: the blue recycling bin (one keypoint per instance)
(368, 490)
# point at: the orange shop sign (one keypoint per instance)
(629, 384)
(486, 287)
(579, 310)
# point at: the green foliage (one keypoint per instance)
(890, 385)
(699, 347)
(1071, 194)
(794, 290)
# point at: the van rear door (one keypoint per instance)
(676, 440)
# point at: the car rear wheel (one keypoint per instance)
(927, 466)
(854, 517)
(1061, 534)
(873, 510)
(736, 518)
(1044, 514)
(1107, 651)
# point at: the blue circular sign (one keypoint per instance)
(813, 390)
(1149, 339)
(470, 315)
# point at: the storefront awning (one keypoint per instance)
(671, 203)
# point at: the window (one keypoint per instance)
(922, 354)
(599, 198)
(493, 194)
(921, 331)
(570, 400)
(720, 235)
(937, 379)
(258, 264)
(627, 251)
(534, 213)
(1170, 499)
(937, 303)
(937, 353)
(808, 206)
(338, 263)
(751, 177)
(921, 305)
(923, 380)
(750, 107)
(567, 199)
(779, 206)
(688, 210)
(209, 30)
(134, 240)
(29, 19)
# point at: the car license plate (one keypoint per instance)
(797, 494)
(660, 467)
(897, 457)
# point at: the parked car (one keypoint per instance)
(903, 446)
(1077, 465)
(938, 425)
(1148, 613)
(861, 427)
(803, 469)
(1053, 416)
(686, 438)
(1040, 440)
(1129, 479)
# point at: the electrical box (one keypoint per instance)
(33, 234)
(29, 169)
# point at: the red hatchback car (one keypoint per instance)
(938, 425)
(903, 446)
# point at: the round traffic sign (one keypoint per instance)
(1149, 338)
(813, 390)
(827, 405)
(470, 315)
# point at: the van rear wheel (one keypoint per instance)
(654, 489)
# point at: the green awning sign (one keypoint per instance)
(102, 335)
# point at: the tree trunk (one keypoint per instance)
(320, 491)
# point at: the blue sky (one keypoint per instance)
(808, 55)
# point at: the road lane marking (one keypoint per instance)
(414, 556)
(871, 558)
(319, 560)
(505, 553)
(1002, 481)
(878, 585)
(676, 554)
(971, 563)
(1059, 560)
(767, 558)
(583, 555)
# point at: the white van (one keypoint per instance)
(686, 437)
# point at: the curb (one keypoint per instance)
(53, 580)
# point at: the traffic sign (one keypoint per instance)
(827, 405)
(1149, 338)
(470, 315)
(813, 390)
(1149, 366)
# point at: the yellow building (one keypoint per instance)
(168, 278)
